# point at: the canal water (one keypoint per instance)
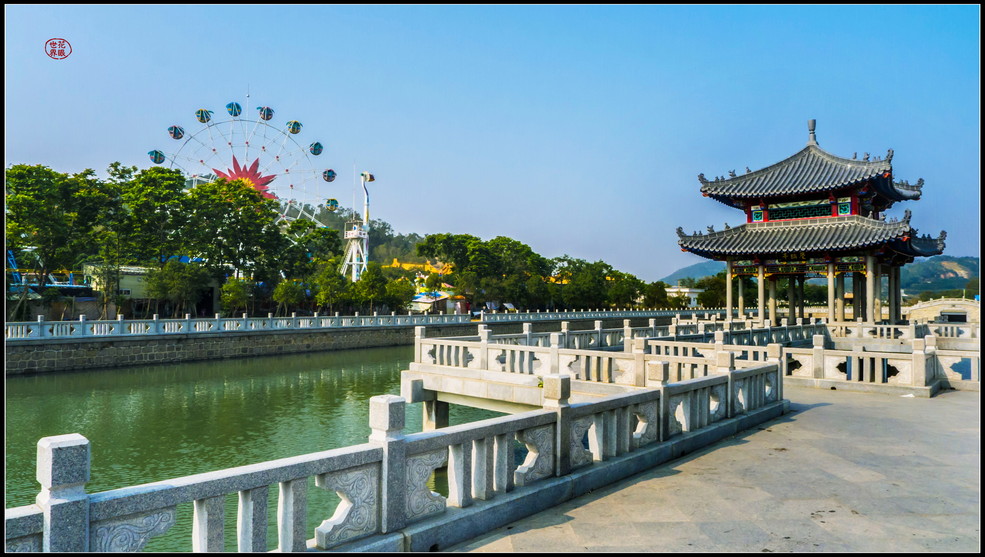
(153, 423)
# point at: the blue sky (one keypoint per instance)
(577, 130)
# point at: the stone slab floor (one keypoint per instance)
(841, 472)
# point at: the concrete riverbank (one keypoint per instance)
(66, 354)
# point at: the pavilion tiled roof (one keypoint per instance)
(812, 235)
(810, 170)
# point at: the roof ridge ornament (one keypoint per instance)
(680, 232)
(906, 216)
(889, 156)
(811, 139)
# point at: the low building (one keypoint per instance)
(690, 293)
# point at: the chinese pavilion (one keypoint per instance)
(816, 215)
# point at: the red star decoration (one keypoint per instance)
(251, 175)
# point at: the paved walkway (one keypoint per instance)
(843, 471)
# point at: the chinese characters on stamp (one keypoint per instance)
(58, 49)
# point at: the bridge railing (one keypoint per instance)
(83, 328)
(527, 316)
(382, 484)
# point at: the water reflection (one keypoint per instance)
(151, 423)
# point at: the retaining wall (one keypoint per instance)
(46, 355)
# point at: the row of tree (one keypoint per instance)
(506, 270)
(230, 237)
(150, 217)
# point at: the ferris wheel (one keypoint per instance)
(250, 146)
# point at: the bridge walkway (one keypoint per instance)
(842, 471)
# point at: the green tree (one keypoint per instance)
(624, 289)
(288, 294)
(371, 286)
(655, 295)
(156, 212)
(231, 224)
(235, 295)
(178, 284)
(331, 286)
(53, 214)
(399, 294)
(714, 290)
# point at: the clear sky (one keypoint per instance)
(577, 130)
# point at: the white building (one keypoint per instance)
(691, 293)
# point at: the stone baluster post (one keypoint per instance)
(817, 357)
(724, 361)
(419, 336)
(39, 333)
(555, 359)
(386, 420)
(919, 363)
(557, 390)
(528, 333)
(598, 333)
(63, 470)
(120, 325)
(566, 341)
(484, 333)
(627, 336)
(657, 373)
(652, 322)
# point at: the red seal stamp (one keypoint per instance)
(58, 49)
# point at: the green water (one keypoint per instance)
(153, 423)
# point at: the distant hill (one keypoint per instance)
(697, 271)
(942, 272)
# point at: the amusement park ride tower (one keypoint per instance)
(357, 237)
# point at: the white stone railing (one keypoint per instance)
(528, 316)
(955, 330)
(83, 328)
(383, 484)
(859, 329)
(919, 363)
(643, 362)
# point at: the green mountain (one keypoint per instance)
(697, 271)
(942, 272)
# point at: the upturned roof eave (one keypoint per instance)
(732, 187)
(860, 233)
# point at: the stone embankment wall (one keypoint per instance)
(41, 356)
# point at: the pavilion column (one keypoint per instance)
(762, 294)
(742, 303)
(898, 292)
(728, 289)
(791, 299)
(840, 296)
(801, 300)
(831, 292)
(856, 295)
(891, 294)
(871, 293)
(877, 294)
(773, 300)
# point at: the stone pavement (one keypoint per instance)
(842, 471)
